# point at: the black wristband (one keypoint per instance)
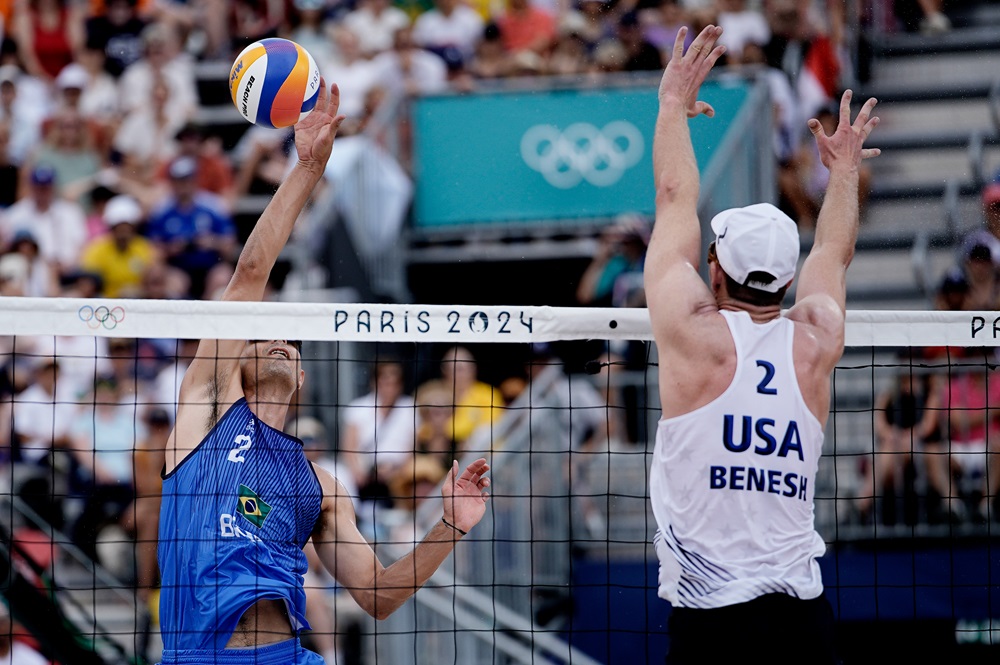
(447, 523)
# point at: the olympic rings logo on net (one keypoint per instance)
(582, 152)
(96, 317)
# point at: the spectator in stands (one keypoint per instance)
(164, 282)
(117, 33)
(58, 225)
(608, 57)
(43, 414)
(39, 278)
(355, 74)
(741, 25)
(449, 25)
(263, 162)
(20, 109)
(410, 69)
(661, 31)
(375, 23)
(104, 436)
(474, 403)
(215, 173)
(434, 433)
(10, 174)
(323, 622)
(167, 385)
(162, 62)
(252, 20)
(49, 34)
(525, 27)
(144, 515)
(69, 150)
(981, 251)
(413, 482)
(924, 15)
(309, 27)
(490, 61)
(907, 418)
(971, 401)
(190, 228)
(596, 24)
(92, 93)
(614, 273)
(121, 256)
(569, 55)
(640, 54)
(615, 277)
(146, 136)
(808, 58)
(952, 291)
(991, 207)
(13, 649)
(378, 430)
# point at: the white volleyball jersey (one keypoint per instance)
(732, 482)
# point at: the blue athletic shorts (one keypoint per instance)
(289, 652)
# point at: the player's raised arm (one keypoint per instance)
(380, 591)
(822, 282)
(212, 382)
(675, 247)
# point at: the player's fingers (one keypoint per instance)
(845, 108)
(700, 43)
(865, 113)
(337, 122)
(713, 57)
(334, 101)
(868, 153)
(704, 107)
(869, 126)
(679, 43)
(323, 100)
(815, 127)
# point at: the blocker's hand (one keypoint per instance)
(465, 495)
(687, 71)
(314, 134)
(846, 146)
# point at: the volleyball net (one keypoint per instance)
(562, 402)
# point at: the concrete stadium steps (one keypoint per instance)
(939, 138)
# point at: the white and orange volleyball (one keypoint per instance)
(274, 83)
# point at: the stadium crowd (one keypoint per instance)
(110, 186)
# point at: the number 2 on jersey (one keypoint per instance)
(236, 454)
(768, 375)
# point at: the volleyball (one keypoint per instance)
(274, 83)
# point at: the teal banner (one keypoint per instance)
(553, 155)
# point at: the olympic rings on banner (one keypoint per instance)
(96, 317)
(582, 152)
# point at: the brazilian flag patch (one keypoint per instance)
(252, 506)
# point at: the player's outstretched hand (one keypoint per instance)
(314, 134)
(465, 495)
(687, 71)
(846, 146)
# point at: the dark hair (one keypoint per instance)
(748, 294)
(754, 296)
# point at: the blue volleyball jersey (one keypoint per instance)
(235, 515)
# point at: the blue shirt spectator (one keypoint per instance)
(191, 226)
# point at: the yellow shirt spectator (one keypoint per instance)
(120, 256)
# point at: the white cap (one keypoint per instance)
(756, 238)
(121, 210)
(72, 76)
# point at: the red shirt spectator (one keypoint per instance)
(524, 27)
